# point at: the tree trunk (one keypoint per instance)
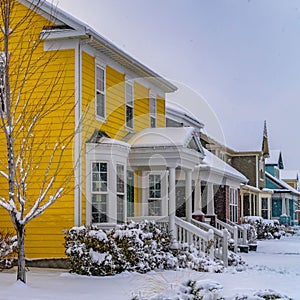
(21, 274)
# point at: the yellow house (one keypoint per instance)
(122, 162)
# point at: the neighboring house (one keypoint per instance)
(217, 191)
(290, 177)
(286, 197)
(126, 162)
(255, 198)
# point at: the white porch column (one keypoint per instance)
(210, 199)
(197, 199)
(188, 195)
(172, 202)
(142, 188)
(284, 212)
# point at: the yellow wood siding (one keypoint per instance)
(161, 112)
(50, 77)
(141, 107)
(44, 235)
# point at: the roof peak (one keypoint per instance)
(265, 142)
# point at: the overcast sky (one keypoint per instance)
(236, 62)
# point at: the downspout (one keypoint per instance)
(78, 138)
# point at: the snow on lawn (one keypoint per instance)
(275, 266)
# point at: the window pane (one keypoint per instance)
(100, 105)
(152, 122)
(129, 94)
(120, 179)
(152, 106)
(129, 116)
(99, 177)
(130, 193)
(155, 208)
(264, 203)
(99, 209)
(120, 209)
(100, 79)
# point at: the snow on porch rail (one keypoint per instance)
(214, 243)
(242, 233)
(220, 240)
(232, 229)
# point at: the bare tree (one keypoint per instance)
(34, 113)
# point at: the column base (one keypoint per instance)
(212, 219)
(198, 216)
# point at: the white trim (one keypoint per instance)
(78, 138)
(131, 84)
(154, 116)
(112, 154)
(103, 68)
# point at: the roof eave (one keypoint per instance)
(82, 30)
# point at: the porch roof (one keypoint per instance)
(169, 147)
(282, 186)
(214, 164)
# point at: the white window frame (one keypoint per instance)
(265, 209)
(103, 93)
(100, 192)
(233, 205)
(129, 103)
(121, 194)
(152, 199)
(153, 114)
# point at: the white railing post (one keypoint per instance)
(244, 236)
(211, 243)
(172, 203)
(235, 238)
(225, 247)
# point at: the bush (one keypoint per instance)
(131, 247)
(262, 229)
(8, 246)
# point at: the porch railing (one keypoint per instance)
(233, 231)
(211, 241)
(242, 233)
(208, 240)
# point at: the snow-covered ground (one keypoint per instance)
(275, 266)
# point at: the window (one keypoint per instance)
(264, 208)
(130, 193)
(100, 92)
(99, 192)
(233, 205)
(152, 112)
(154, 201)
(120, 194)
(129, 104)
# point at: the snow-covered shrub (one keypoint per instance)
(261, 228)
(190, 257)
(235, 260)
(90, 251)
(8, 246)
(131, 247)
(189, 290)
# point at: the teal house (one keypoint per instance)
(285, 198)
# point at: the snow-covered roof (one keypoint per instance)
(174, 110)
(274, 157)
(214, 163)
(110, 141)
(282, 184)
(163, 137)
(288, 174)
(79, 29)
